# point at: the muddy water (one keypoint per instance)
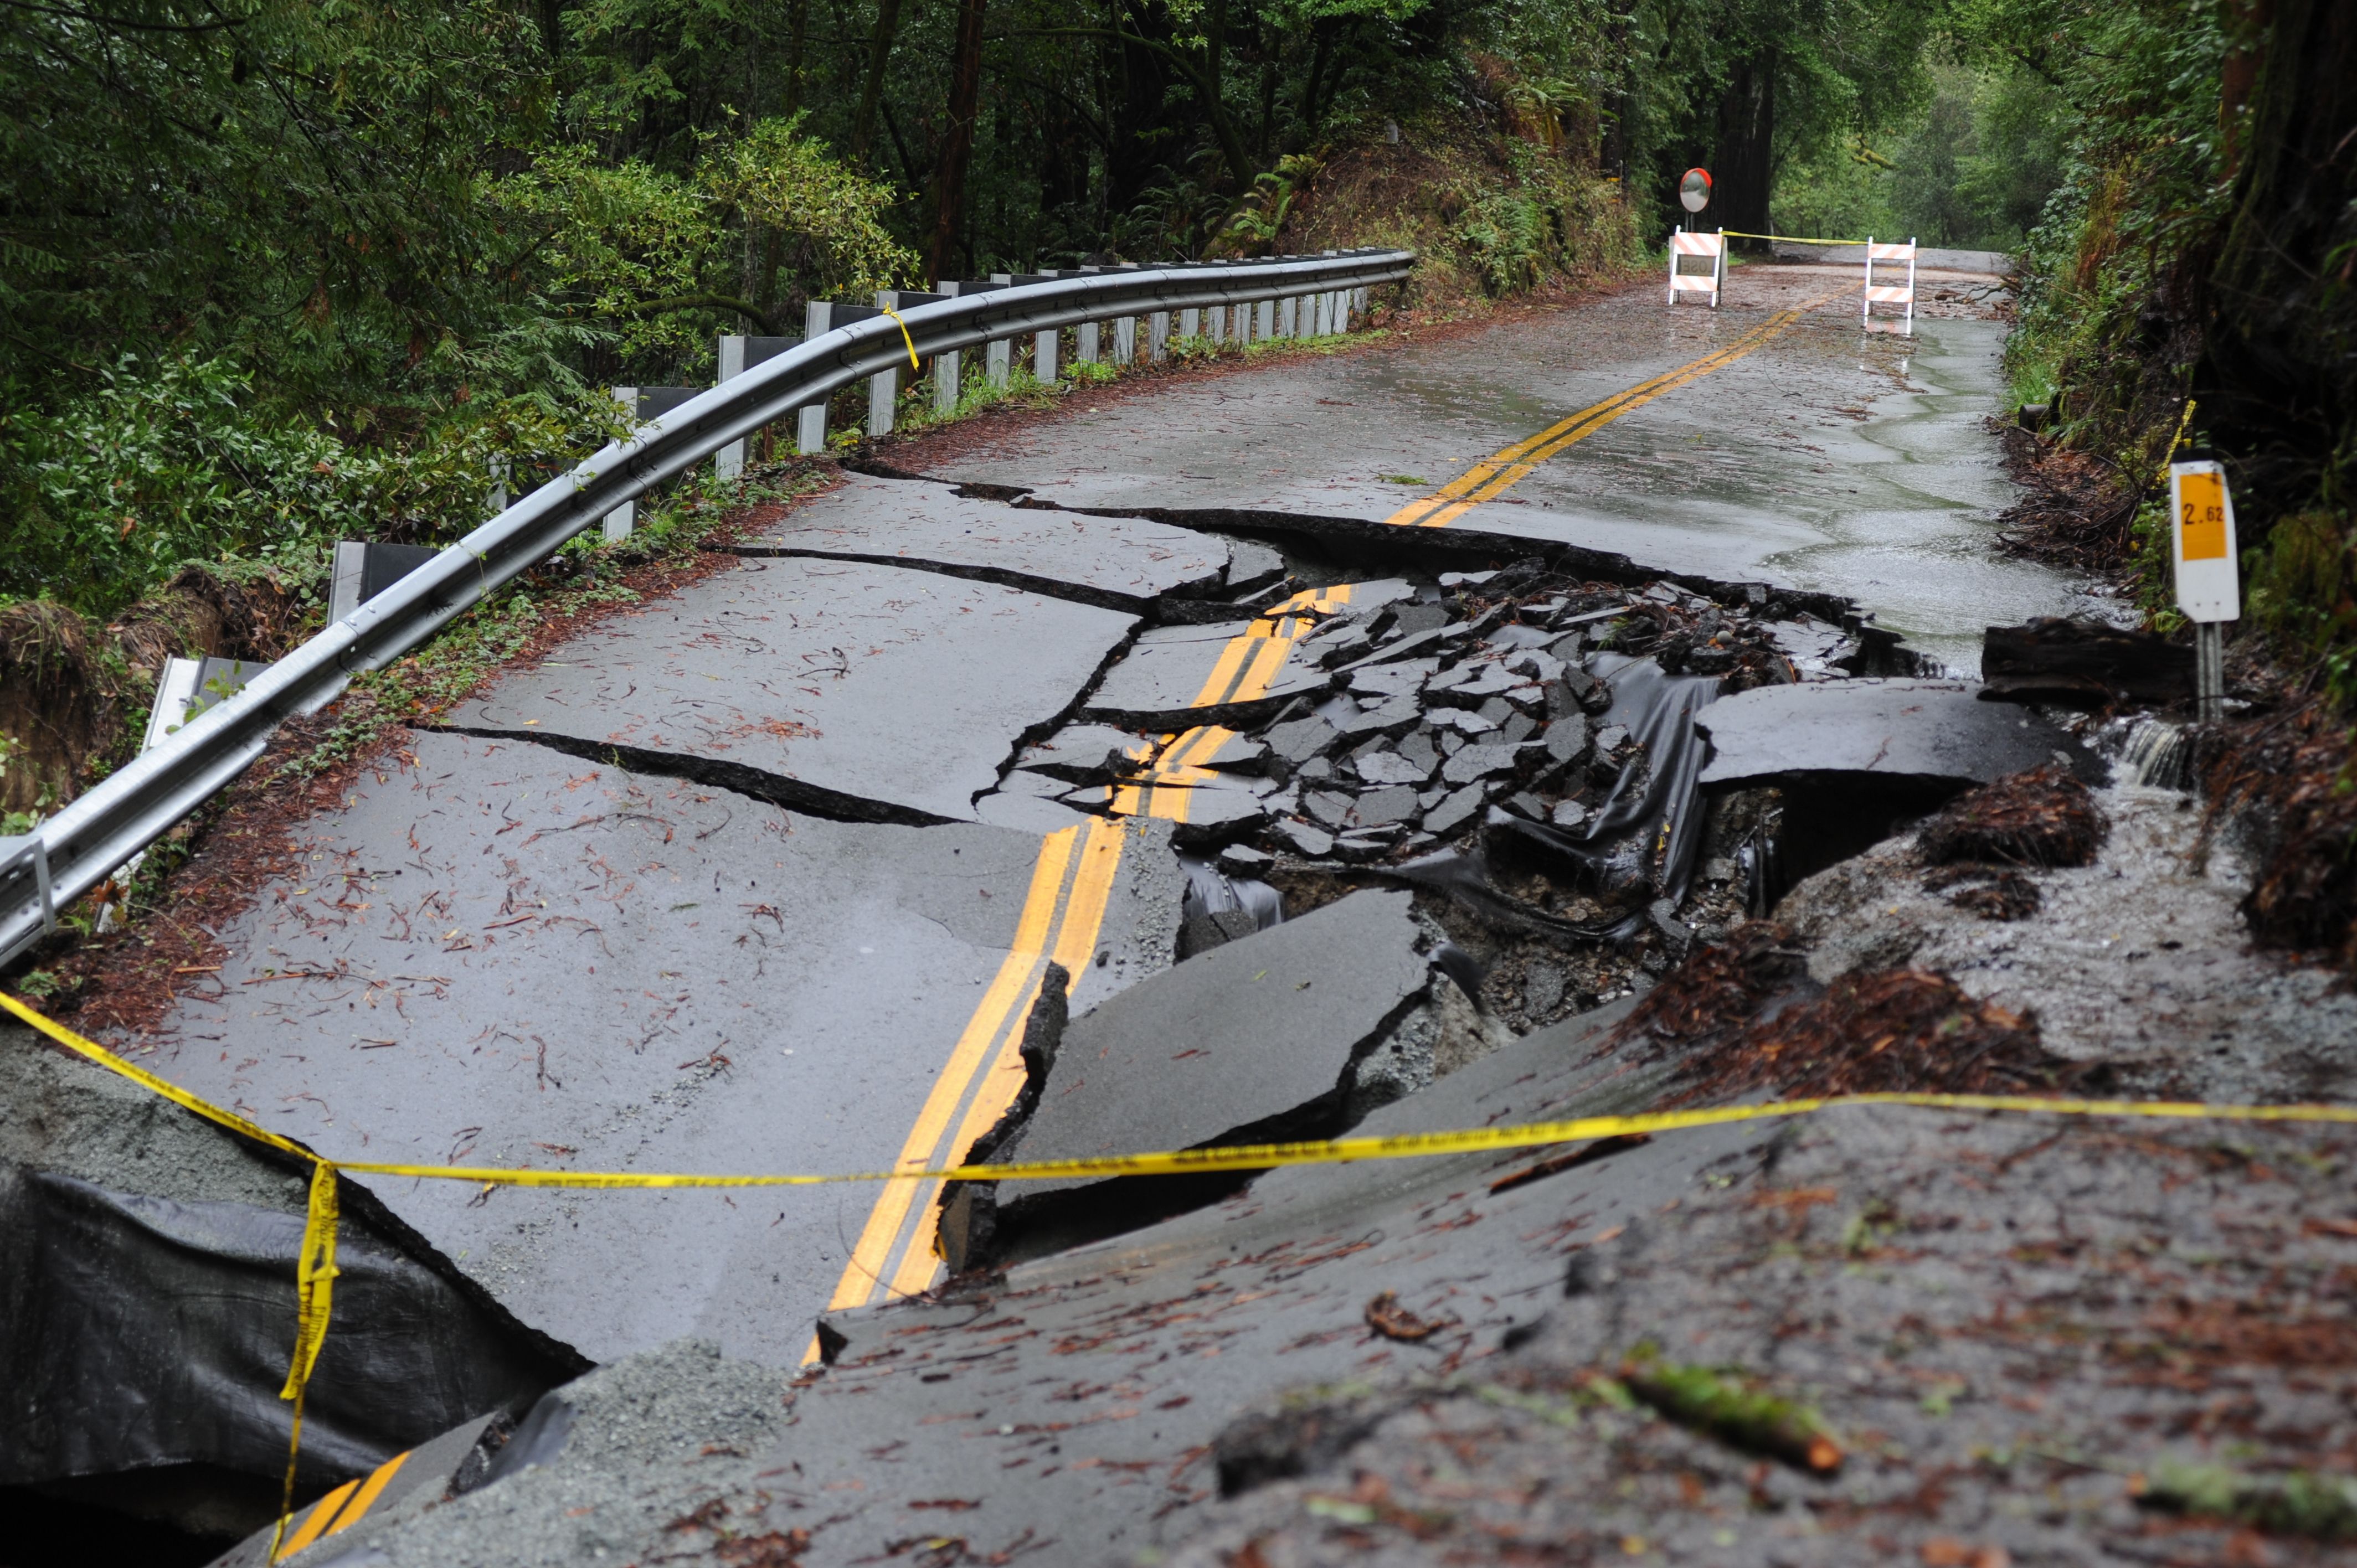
(1916, 541)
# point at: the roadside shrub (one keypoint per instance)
(169, 462)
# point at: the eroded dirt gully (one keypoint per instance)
(1140, 783)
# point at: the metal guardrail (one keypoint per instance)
(79, 847)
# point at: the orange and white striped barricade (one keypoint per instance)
(1683, 243)
(1888, 294)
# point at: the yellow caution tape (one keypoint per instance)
(2184, 423)
(317, 1269)
(903, 326)
(1793, 239)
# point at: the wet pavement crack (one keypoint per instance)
(812, 799)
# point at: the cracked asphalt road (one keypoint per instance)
(751, 879)
(587, 921)
(1850, 462)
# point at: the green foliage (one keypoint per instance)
(2140, 187)
(168, 463)
(789, 192)
(2303, 588)
(1972, 169)
(294, 181)
(2297, 1502)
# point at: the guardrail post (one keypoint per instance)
(1263, 321)
(361, 569)
(31, 850)
(643, 406)
(739, 355)
(1157, 335)
(884, 387)
(1190, 322)
(1087, 339)
(825, 316)
(619, 521)
(1043, 344)
(809, 423)
(997, 355)
(498, 471)
(947, 385)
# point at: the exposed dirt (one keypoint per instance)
(60, 707)
(2044, 817)
(2079, 508)
(1721, 986)
(69, 696)
(2288, 780)
(255, 615)
(1746, 1019)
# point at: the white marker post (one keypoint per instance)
(2209, 582)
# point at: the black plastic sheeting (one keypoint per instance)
(1210, 891)
(139, 1331)
(1648, 829)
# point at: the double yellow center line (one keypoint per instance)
(1072, 882)
(1243, 673)
(895, 1254)
(1494, 475)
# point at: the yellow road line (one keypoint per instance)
(1246, 668)
(1063, 912)
(1494, 475)
(1076, 940)
(315, 1523)
(863, 1271)
(365, 1499)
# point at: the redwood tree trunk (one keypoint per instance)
(957, 145)
(1744, 166)
(871, 90)
(2277, 381)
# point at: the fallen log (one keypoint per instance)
(2082, 664)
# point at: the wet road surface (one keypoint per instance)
(1822, 455)
(749, 879)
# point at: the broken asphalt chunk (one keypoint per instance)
(1383, 808)
(1085, 754)
(1479, 761)
(1454, 812)
(1255, 1040)
(1305, 840)
(1396, 766)
(1931, 730)
(1295, 741)
(1176, 676)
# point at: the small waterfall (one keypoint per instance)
(2157, 754)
